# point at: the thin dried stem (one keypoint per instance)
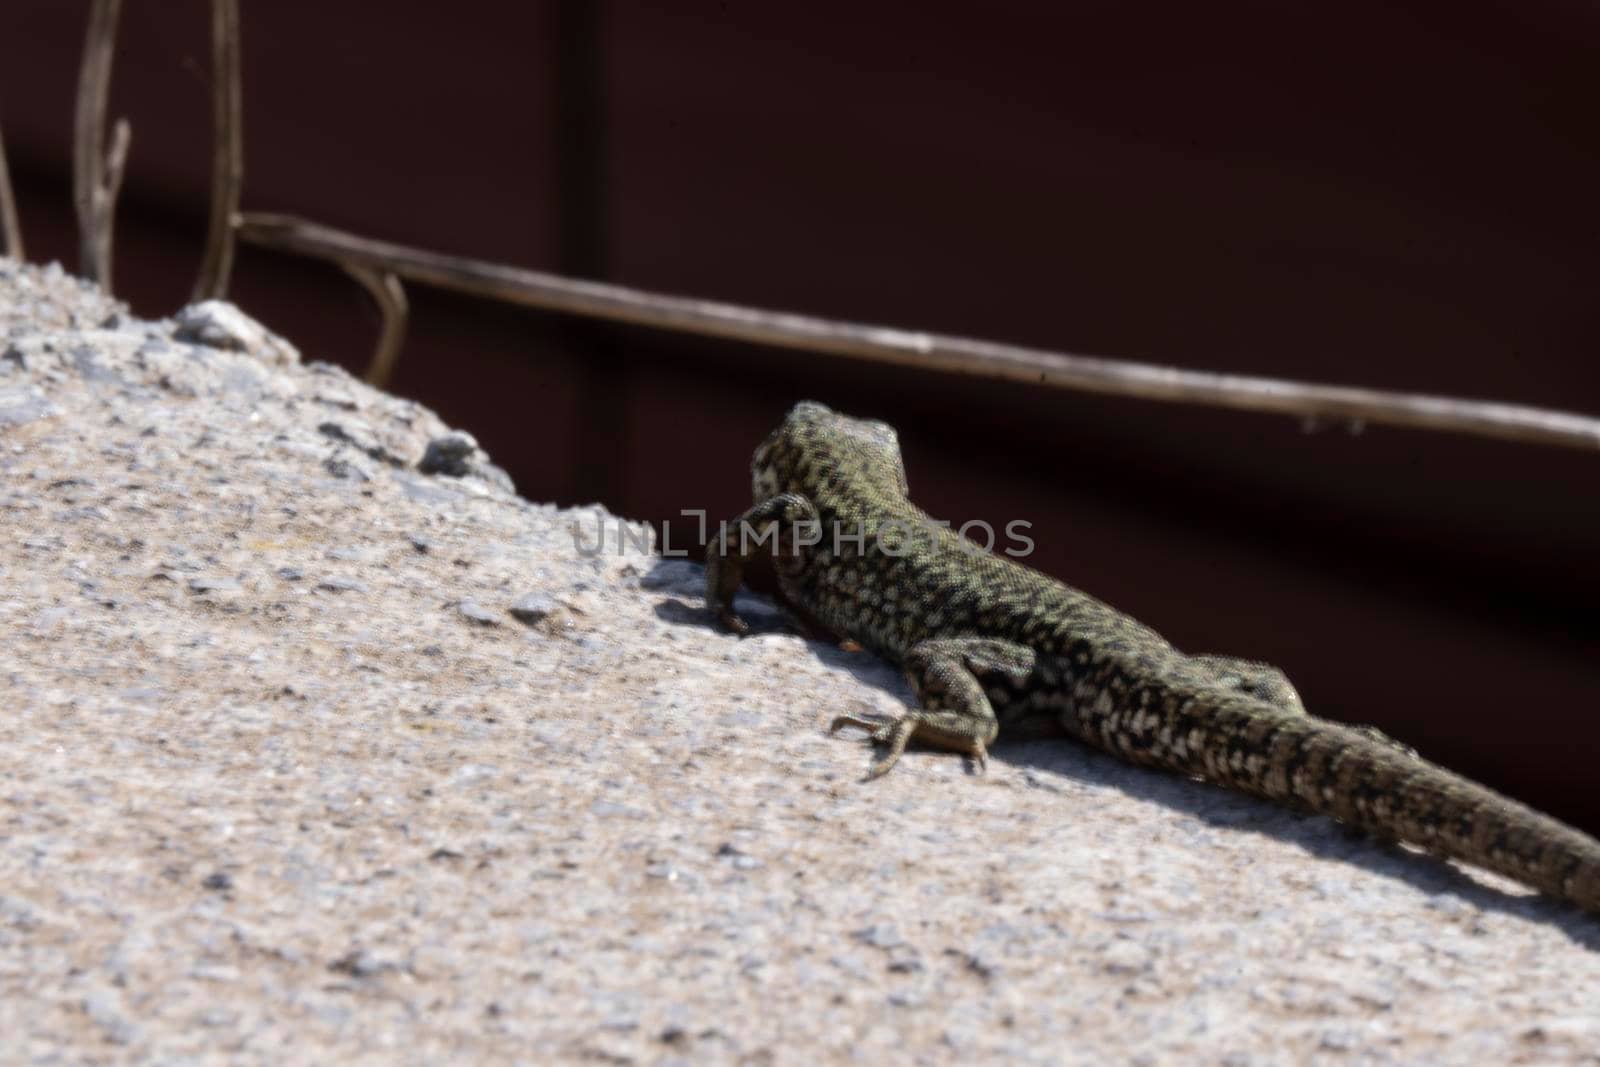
(959, 355)
(96, 168)
(10, 229)
(227, 150)
(390, 296)
(116, 163)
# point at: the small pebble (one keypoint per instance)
(476, 612)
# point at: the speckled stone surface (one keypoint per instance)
(308, 756)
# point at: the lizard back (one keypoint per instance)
(884, 573)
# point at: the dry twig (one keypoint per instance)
(987, 359)
(227, 150)
(96, 168)
(10, 230)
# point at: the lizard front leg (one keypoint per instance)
(953, 678)
(737, 541)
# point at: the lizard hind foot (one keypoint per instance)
(895, 733)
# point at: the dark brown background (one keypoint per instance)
(1389, 195)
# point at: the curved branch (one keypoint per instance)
(958, 355)
(390, 296)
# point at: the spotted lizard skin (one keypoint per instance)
(990, 646)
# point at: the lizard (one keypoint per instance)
(990, 646)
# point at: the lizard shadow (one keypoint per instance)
(1221, 808)
(768, 620)
(683, 581)
(1318, 835)
(1213, 805)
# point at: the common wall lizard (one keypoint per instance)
(990, 646)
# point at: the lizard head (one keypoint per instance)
(817, 449)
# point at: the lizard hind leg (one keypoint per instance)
(1372, 733)
(948, 676)
(1266, 682)
(1261, 680)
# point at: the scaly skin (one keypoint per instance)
(989, 645)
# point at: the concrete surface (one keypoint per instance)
(285, 778)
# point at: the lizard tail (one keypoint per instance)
(1305, 762)
(1347, 774)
